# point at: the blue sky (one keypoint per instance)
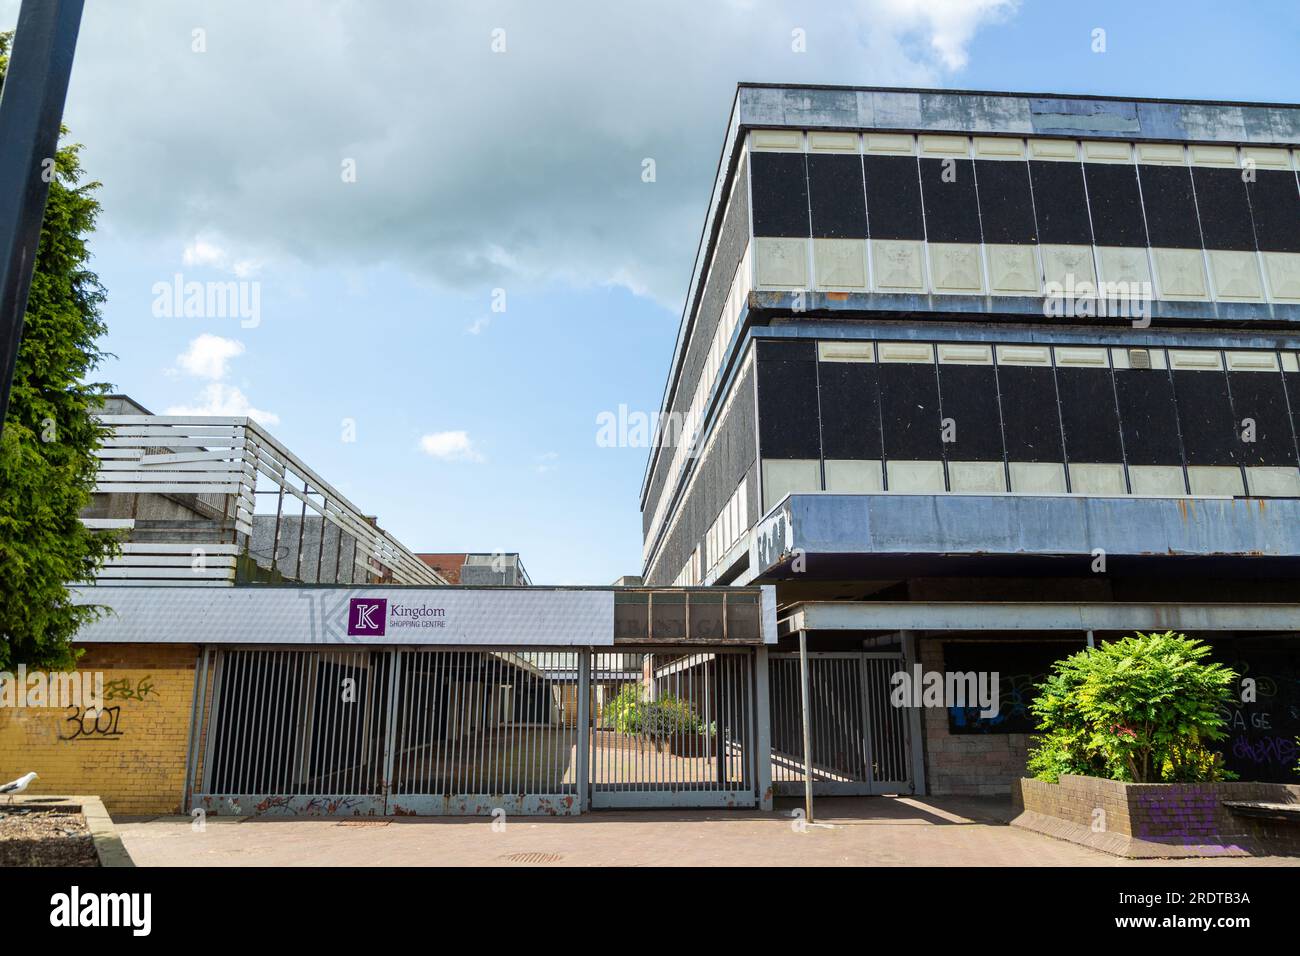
(516, 170)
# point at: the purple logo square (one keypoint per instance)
(367, 617)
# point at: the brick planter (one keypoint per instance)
(1142, 820)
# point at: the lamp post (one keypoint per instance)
(31, 112)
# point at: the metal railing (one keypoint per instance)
(859, 739)
(203, 491)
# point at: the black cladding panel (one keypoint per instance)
(787, 401)
(951, 209)
(1006, 204)
(893, 197)
(850, 407)
(1089, 415)
(1060, 203)
(779, 186)
(909, 411)
(1031, 423)
(1210, 435)
(1224, 209)
(1261, 397)
(839, 209)
(1149, 417)
(969, 396)
(1170, 207)
(1116, 204)
(1275, 204)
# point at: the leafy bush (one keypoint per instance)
(1142, 709)
(665, 716)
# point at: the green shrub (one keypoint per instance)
(665, 716)
(1142, 709)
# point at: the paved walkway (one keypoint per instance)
(850, 832)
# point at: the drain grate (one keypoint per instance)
(363, 823)
(534, 857)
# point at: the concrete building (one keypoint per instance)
(213, 501)
(499, 567)
(978, 378)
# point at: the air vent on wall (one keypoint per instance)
(1139, 358)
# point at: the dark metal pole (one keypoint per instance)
(31, 111)
(805, 695)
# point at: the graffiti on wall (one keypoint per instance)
(105, 723)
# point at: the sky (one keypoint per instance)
(450, 259)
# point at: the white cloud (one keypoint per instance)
(547, 462)
(450, 446)
(208, 355)
(205, 253)
(227, 401)
(473, 169)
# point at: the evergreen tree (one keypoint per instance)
(47, 463)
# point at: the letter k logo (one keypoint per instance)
(367, 617)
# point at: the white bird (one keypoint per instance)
(14, 787)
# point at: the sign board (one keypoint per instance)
(356, 616)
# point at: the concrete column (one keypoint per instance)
(915, 726)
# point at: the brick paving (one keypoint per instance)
(850, 832)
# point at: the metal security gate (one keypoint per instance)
(418, 731)
(860, 741)
(672, 729)
(481, 731)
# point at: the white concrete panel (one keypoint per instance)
(1272, 481)
(781, 263)
(786, 140)
(1205, 155)
(840, 264)
(965, 354)
(999, 147)
(940, 146)
(1290, 362)
(1028, 477)
(1130, 266)
(1063, 150)
(789, 476)
(896, 144)
(846, 351)
(853, 477)
(1157, 480)
(898, 265)
(1081, 356)
(1236, 276)
(1215, 480)
(1264, 157)
(916, 476)
(1196, 360)
(1102, 151)
(1240, 360)
(973, 477)
(1089, 478)
(956, 267)
(916, 352)
(822, 141)
(1162, 154)
(1013, 270)
(1180, 274)
(1282, 272)
(1024, 355)
(1069, 267)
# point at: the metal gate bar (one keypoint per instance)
(859, 739)
(672, 728)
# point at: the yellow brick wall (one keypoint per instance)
(134, 758)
